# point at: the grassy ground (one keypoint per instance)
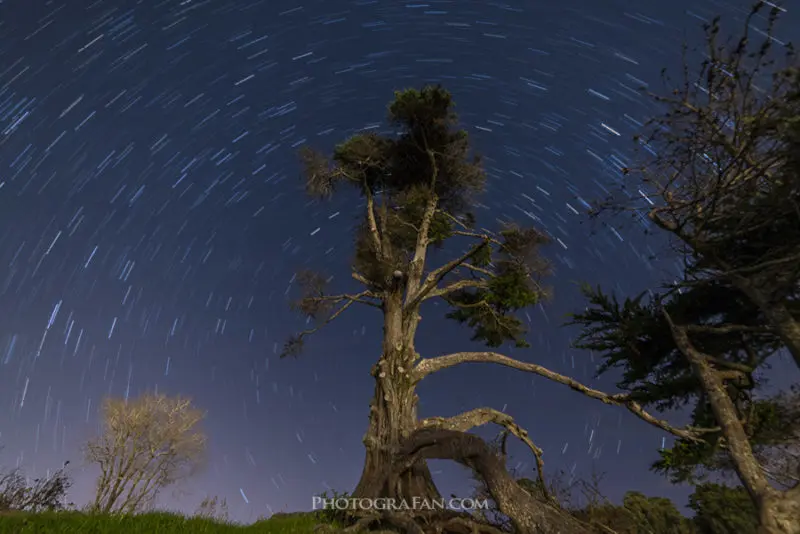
(153, 523)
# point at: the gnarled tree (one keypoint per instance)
(418, 188)
(147, 443)
(724, 187)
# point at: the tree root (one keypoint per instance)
(528, 514)
(481, 416)
(416, 522)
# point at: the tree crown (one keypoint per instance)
(419, 188)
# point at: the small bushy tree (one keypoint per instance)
(147, 444)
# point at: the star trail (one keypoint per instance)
(152, 218)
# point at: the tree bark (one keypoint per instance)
(393, 412)
(389, 424)
(780, 513)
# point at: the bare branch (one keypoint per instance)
(763, 265)
(456, 220)
(421, 248)
(315, 302)
(358, 277)
(483, 237)
(437, 275)
(295, 342)
(725, 329)
(358, 298)
(479, 270)
(373, 223)
(456, 286)
(428, 366)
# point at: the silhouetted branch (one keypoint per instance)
(428, 366)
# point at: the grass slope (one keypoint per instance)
(152, 523)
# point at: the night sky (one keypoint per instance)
(152, 216)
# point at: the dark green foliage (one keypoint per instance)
(634, 337)
(688, 461)
(717, 509)
(656, 514)
(472, 308)
(489, 311)
(429, 157)
(638, 513)
(430, 143)
(360, 161)
(723, 510)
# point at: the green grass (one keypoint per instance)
(151, 523)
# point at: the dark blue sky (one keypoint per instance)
(152, 217)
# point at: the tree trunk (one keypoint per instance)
(393, 413)
(388, 426)
(780, 513)
(776, 313)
